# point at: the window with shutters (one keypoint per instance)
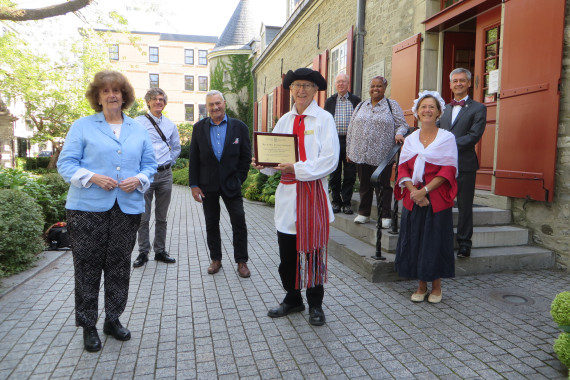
(492, 42)
(337, 65)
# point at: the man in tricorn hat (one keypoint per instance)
(302, 207)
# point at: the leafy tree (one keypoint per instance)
(52, 89)
(9, 10)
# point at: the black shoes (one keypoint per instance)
(335, 208)
(464, 252)
(316, 316)
(284, 309)
(141, 260)
(116, 330)
(91, 340)
(347, 210)
(163, 256)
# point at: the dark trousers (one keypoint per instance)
(383, 194)
(465, 195)
(161, 190)
(211, 203)
(102, 242)
(343, 178)
(288, 271)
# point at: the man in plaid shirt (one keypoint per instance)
(341, 105)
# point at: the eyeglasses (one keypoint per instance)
(303, 86)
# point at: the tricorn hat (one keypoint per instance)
(305, 73)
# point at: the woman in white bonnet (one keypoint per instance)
(427, 184)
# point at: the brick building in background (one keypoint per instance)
(177, 63)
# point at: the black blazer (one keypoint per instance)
(226, 175)
(468, 128)
(330, 104)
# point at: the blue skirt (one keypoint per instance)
(425, 245)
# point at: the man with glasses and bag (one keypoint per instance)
(166, 144)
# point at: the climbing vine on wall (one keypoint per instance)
(238, 79)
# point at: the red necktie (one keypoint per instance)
(460, 103)
(299, 130)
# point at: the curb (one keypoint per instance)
(45, 260)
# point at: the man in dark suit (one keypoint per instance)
(220, 154)
(341, 105)
(466, 119)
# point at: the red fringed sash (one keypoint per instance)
(312, 225)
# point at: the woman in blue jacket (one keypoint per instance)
(109, 160)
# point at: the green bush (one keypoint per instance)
(57, 188)
(180, 177)
(259, 187)
(181, 163)
(185, 150)
(53, 206)
(33, 163)
(269, 187)
(560, 309)
(21, 228)
(562, 348)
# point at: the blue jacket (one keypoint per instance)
(91, 144)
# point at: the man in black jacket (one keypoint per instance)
(341, 105)
(466, 119)
(220, 154)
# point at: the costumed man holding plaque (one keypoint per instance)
(302, 207)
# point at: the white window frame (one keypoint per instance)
(270, 112)
(337, 65)
(259, 115)
(151, 55)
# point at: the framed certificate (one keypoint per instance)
(272, 149)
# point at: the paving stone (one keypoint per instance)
(186, 324)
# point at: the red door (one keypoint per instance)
(458, 51)
(529, 98)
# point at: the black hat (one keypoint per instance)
(305, 73)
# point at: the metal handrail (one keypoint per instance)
(393, 156)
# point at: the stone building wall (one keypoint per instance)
(304, 41)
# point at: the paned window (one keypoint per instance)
(153, 80)
(337, 65)
(189, 56)
(203, 57)
(153, 54)
(189, 82)
(189, 112)
(202, 113)
(270, 112)
(492, 42)
(259, 116)
(114, 52)
(202, 83)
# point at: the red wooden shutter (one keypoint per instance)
(320, 64)
(264, 113)
(349, 56)
(533, 35)
(285, 99)
(406, 75)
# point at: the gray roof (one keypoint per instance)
(187, 38)
(270, 33)
(240, 29)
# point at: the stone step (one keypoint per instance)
(483, 236)
(482, 215)
(358, 255)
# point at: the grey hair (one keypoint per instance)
(153, 92)
(460, 70)
(345, 75)
(380, 78)
(215, 92)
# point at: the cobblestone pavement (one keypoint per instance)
(187, 324)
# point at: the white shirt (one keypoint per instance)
(456, 109)
(162, 154)
(322, 149)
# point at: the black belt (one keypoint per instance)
(163, 167)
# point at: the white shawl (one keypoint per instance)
(442, 151)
